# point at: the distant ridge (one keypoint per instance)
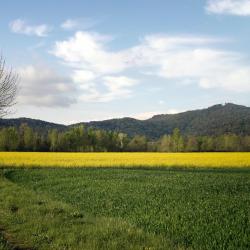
(215, 120)
(37, 125)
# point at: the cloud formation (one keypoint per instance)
(42, 86)
(20, 26)
(181, 59)
(229, 7)
(86, 50)
(95, 69)
(78, 23)
(108, 88)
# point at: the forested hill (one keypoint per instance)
(37, 125)
(216, 120)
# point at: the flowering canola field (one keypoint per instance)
(37, 159)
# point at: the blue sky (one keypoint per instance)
(94, 60)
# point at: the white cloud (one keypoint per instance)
(229, 80)
(229, 7)
(119, 82)
(21, 27)
(173, 111)
(92, 65)
(102, 73)
(116, 87)
(78, 23)
(69, 24)
(148, 115)
(82, 76)
(87, 51)
(42, 86)
(192, 60)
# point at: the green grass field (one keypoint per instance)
(103, 208)
(3, 245)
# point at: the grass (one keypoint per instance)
(35, 221)
(114, 208)
(3, 245)
(197, 160)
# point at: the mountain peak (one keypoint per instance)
(215, 120)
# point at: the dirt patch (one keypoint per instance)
(11, 243)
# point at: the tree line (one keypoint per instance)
(81, 139)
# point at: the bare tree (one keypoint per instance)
(8, 88)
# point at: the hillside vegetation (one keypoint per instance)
(216, 120)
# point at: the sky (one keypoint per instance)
(94, 60)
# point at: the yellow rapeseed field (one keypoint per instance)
(214, 160)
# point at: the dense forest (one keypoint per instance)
(82, 139)
(218, 128)
(213, 121)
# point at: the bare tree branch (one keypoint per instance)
(8, 88)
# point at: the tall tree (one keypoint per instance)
(137, 144)
(8, 88)
(191, 144)
(9, 139)
(53, 140)
(177, 141)
(13, 139)
(27, 137)
(165, 144)
(207, 144)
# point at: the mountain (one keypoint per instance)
(37, 125)
(215, 120)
